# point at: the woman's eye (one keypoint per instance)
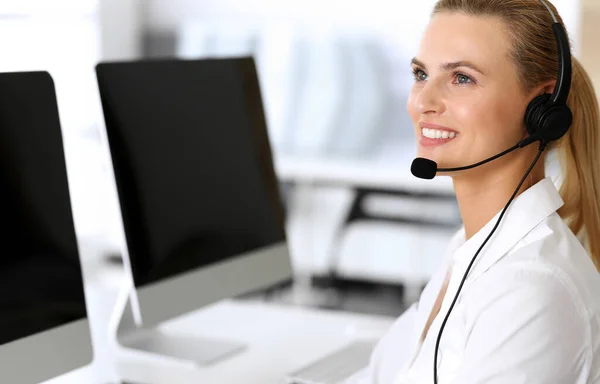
(420, 75)
(463, 79)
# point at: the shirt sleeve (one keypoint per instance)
(525, 329)
(388, 355)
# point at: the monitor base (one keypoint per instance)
(177, 350)
(199, 351)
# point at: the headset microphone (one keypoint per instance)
(426, 169)
(547, 118)
(423, 168)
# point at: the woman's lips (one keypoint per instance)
(431, 137)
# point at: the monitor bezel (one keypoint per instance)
(48, 354)
(168, 298)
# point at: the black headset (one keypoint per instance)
(548, 118)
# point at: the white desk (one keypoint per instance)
(280, 340)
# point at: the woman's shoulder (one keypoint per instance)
(554, 253)
(549, 269)
(532, 309)
(547, 283)
(549, 257)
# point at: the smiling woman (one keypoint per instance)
(525, 310)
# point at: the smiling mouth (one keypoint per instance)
(437, 133)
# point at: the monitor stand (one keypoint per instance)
(164, 347)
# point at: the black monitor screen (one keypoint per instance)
(192, 162)
(41, 285)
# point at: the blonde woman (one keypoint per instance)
(529, 309)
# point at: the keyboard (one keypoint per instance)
(335, 367)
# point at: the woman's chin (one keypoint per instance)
(428, 154)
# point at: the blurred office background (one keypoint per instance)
(335, 77)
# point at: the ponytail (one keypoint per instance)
(579, 156)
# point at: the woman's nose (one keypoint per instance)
(429, 100)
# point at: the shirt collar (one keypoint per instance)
(525, 212)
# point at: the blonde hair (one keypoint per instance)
(534, 51)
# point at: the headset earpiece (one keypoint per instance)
(556, 121)
(547, 120)
(534, 113)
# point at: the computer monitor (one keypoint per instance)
(198, 194)
(44, 330)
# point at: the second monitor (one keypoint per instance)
(199, 197)
(44, 327)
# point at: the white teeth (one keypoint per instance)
(437, 134)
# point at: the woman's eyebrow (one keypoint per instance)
(449, 66)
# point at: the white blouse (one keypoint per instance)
(528, 313)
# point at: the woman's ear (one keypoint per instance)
(547, 87)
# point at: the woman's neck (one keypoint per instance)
(483, 193)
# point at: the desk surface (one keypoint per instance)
(280, 339)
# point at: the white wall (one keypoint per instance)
(122, 23)
(590, 41)
(396, 15)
